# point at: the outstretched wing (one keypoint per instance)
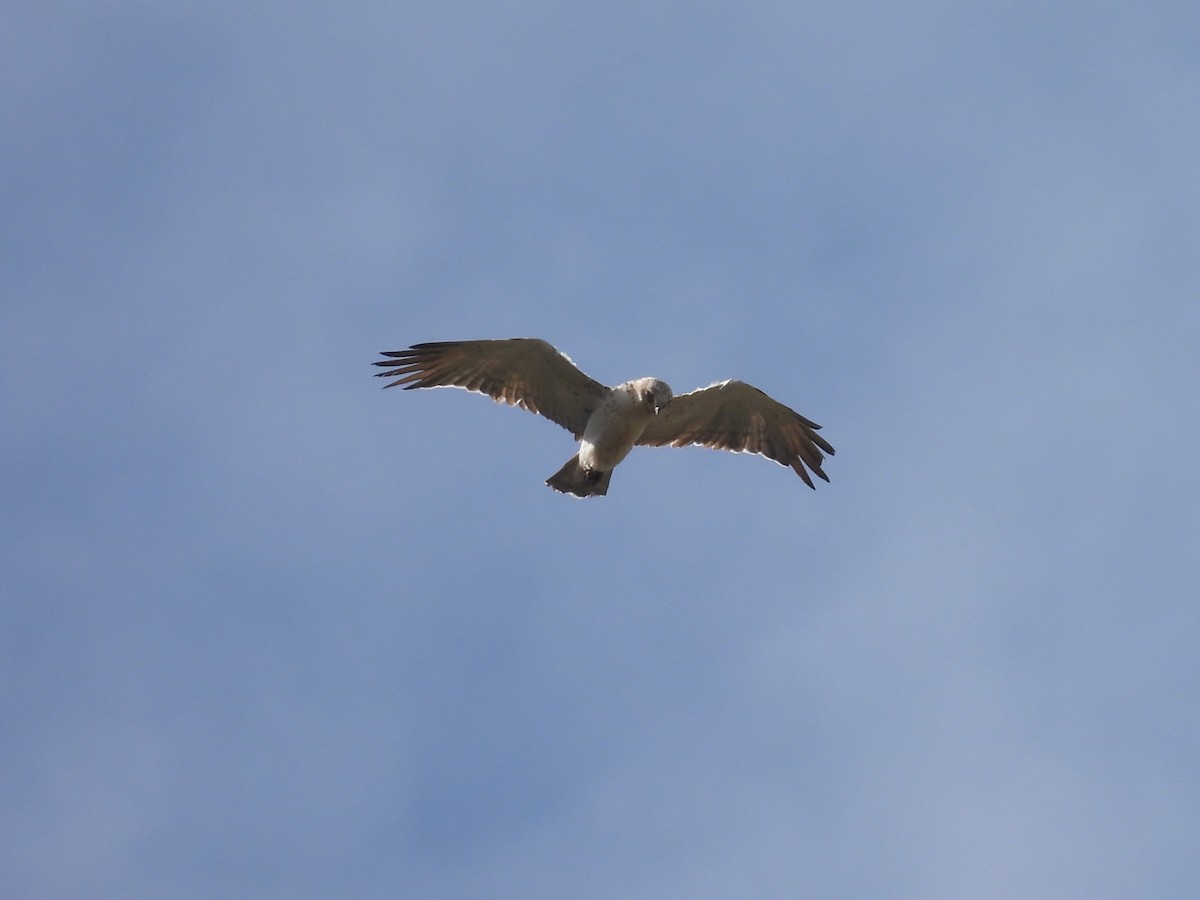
(526, 372)
(733, 415)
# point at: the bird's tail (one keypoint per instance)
(573, 478)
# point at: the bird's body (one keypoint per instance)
(609, 422)
(611, 432)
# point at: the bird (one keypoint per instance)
(609, 422)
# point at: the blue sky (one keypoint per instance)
(269, 631)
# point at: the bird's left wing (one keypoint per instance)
(525, 372)
(733, 415)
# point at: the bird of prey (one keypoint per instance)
(609, 421)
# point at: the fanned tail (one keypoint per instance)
(573, 478)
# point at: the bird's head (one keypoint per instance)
(653, 393)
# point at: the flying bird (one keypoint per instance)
(610, 421)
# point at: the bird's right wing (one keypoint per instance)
(733, 415)
(525, 372)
